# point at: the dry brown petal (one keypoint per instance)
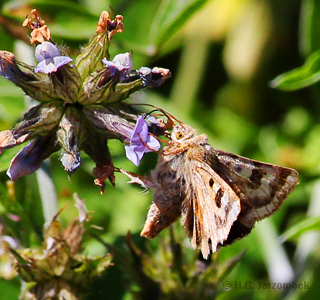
(34, 14)
(72, 235)
(106, 24)
(118, 27)
(103, 22)
(39, 31)
(38, 21)
(163, 72)
(40, 34)
(26, 22)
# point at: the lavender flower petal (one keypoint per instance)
(49, 58)
(59, 61)
(30, 158)
(121, 63)
(46, 50)
(140, 142)
(25, 162)
(124, 61)
(152, 143)
(132, 155)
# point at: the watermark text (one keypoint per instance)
(261, 285)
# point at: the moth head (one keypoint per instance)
(182, 132)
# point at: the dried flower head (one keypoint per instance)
(60, 270)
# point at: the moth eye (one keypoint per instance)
(179, 135)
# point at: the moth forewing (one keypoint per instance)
(215, 207)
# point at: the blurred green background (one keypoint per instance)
(223, 55)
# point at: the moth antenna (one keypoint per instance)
(168, 115)
(144, 144)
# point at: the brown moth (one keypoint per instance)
(219, 195)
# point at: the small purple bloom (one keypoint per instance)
(154, 77)
(121, 63)
(49, 58)
(141, 141)
(25, 162)
(30, 158)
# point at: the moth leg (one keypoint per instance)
(145, 181)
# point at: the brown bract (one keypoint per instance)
(102, 173)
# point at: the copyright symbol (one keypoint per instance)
(227, 285)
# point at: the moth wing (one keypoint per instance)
(210, 208)
(261, 187)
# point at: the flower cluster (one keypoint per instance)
(81, 102)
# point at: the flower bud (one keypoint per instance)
(90, 58)
(66, 83)
(30, 158)
(69, 139)
(154, 77)
(40, 120)
(97, 87)
(109, 121)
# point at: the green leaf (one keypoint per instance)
(301, 77)
(311, 223)
(310, 26)
(7, 156)
(170, 17)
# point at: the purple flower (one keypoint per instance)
(30, 158)
(141, 141)
(49, 58)
(121, 63)
(154, 77)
